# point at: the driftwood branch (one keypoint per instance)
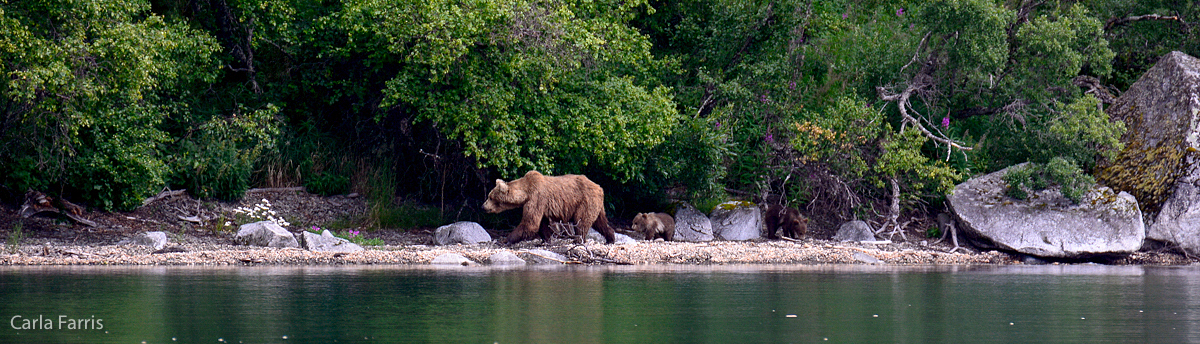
(162, 195)
(38, 203)
(1114, 22)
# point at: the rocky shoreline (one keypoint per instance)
(49, 241)
(805, 252)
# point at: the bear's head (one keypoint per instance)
(792, 220)
(504, 197)
(646, 222)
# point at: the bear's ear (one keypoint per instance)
(501, 185)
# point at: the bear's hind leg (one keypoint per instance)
(601, 225)
(545, 232)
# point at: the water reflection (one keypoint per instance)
(731, 303)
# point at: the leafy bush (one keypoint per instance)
(218, 159)
(1071, 179)
(87, 86)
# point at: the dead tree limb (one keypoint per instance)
(162, 195)
(902, 102)
(1114, 22)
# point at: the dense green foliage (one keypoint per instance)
(1073, 183)
(837, 106)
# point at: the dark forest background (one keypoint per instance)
(844, 109)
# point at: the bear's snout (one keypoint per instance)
(491, 207)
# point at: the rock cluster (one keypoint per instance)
(1159, 165)
(269, 234)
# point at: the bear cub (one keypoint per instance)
(777, 217)
(655, 225)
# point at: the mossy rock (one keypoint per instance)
(1158, 110)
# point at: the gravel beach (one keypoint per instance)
(52, 241)
(641, 253)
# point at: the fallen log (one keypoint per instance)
(164, 194)
(38, 203)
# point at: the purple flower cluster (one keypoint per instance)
(946, 122)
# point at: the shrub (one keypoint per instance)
(217, 159)
(1072, 182)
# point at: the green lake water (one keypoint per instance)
(646, 304)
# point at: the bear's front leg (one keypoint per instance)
(530, 222)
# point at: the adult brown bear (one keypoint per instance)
(570, 198)
(776, 216)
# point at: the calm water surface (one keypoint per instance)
(710, 304)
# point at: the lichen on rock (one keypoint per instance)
(1162, 114)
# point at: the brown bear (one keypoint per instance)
(654, 225)
(776, 216)
(569, 198)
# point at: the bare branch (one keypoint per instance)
(920, 46)
(1122, 21)
(902, 103)
(1094, 88)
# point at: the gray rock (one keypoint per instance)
(854, 231)
(1046, 224)
(619, 239)
(865, 258)
(265, 233)
(158, 240)
(451, 259)
(462, 232)
(540, 256)
(1179, 220)
(692, 225)
(326, 242)
(737, 221)
(506, 258)
(1159, 165)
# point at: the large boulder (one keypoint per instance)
(265, 233)
(1161, 112)
(1047, 224)
(1159, 164)
(737, 221)
(854, 231)
(462, 232)
(692, 225)
(326, 242)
